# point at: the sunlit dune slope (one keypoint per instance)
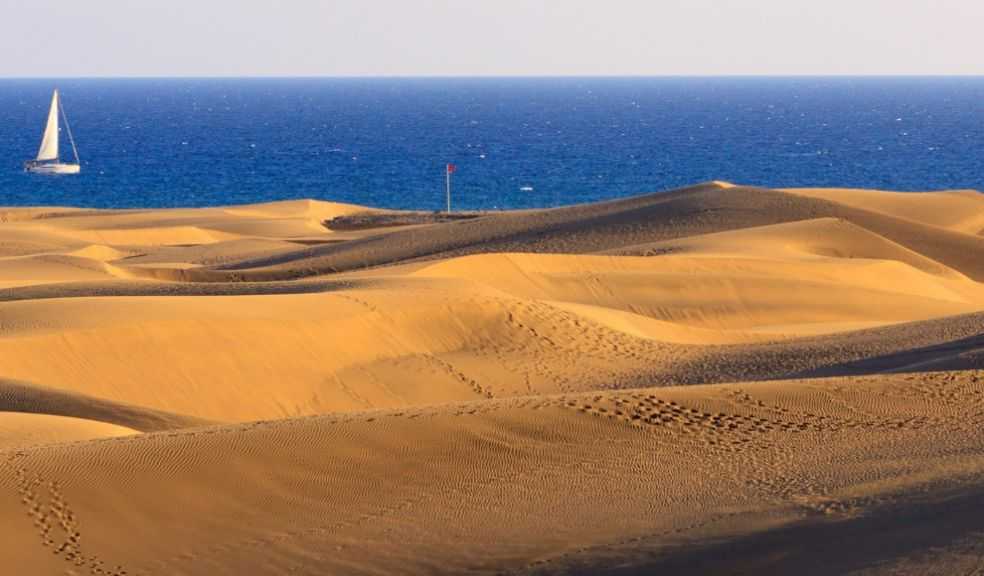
(20, 429)
(958, 210)
(136, 228)
(820, 238)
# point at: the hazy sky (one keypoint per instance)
(488, 37)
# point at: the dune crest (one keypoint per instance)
(100, 252)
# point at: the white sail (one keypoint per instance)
(49, 143)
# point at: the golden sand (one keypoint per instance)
(715, 379)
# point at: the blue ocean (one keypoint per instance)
(516, 142)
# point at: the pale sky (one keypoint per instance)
(488, 37)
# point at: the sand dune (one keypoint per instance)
(352, 494)
(32, 270)
(704, 380)
(178, 226)
(216, 357)
(821, 238)
(21, 430)
(959, 210)
(762, 291)
(100, 253)
(213, 253)
(598, 227)
(28, 398)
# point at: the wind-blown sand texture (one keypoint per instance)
(719, 379)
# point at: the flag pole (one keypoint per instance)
(447, 184)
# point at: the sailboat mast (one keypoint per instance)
(68, 129)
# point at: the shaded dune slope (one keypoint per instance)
(29, 398)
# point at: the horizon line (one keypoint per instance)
(478, 76)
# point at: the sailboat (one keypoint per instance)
(48, 160)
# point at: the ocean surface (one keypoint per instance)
(516, 142)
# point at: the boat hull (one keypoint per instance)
(53, 168)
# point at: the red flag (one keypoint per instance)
(451, 168)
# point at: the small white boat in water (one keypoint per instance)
(48, 160)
